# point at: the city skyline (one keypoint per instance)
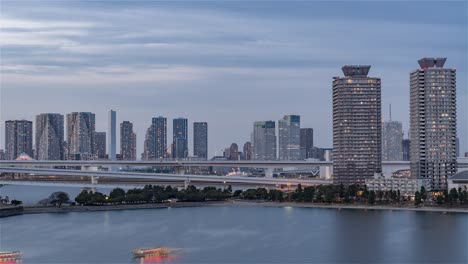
(293, 72)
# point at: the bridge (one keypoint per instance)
(182, 178)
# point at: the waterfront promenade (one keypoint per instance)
(76, 208)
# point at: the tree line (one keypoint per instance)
(352, 194)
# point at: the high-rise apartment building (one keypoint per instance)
(356, 126)
(100, 144)
(233, 152)
(392, 137)
(127, 141)
(289, 137)
(112, 135)
(200, 140)
(2, 154)
(148, 145)
(18, 138)
(50, 137)
(247, 151)
(264, 140)
(307, 143)
(160, 136)
(180, 138)
(81, 127)
(433, 122)
(405, 145)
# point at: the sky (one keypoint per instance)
(228, 63)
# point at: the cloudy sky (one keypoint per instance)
(228, 63)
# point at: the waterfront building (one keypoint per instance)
(233, 152)
(247, 150)
(392, 137)
(307, 143)
(407, 186)
(179, 138)
(433, 122)
(264, 140)
(289, 137)
(81, 127)
(100, 144)
(405, 145)
(458, 180)
(356, 126)
(50, 137)
(112, 135)
(127, 141)
(18, 138)
(200, 139)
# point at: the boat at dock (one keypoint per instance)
(10, 257)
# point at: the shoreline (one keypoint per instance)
(69, 209)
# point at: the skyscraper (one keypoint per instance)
(307, 143)
(179, 138)
(112, 134)
(392, 137)
(247, 150)
(100, 144)
(2, 154)
(149, 144)
(160, 136)
(18, 138)
(289, 137)
(234, 152)
(405, 145)
(356, 126)
(50, 137)
(200, 139)
(81, 127)
(433, 122)
(264, 140)
(127, 141)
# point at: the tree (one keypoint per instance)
(423, 193)
(371, 199)
(16, 202)
(237, 193)
(117, 194)
(417, 198)
(453, 195)
(62, 197)
(83, 198)
(398, 196)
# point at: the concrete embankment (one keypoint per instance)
(10, 211)
(354, 206)
(77, 208)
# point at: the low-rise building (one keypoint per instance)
(407, 186)
(459, 180)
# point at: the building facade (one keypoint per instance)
(81, 127)
(392, 137)
(264, 140)
(127, 141)
(307, 143)
(289, 137)
(100, 144)
(112, 135)
(234, 152)
(433, 122)
(405, 145)
(200, 139)
(50, 137)
(179, 138)
(356, 126)
(18, 138)
(159, 136)
(247, 151)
